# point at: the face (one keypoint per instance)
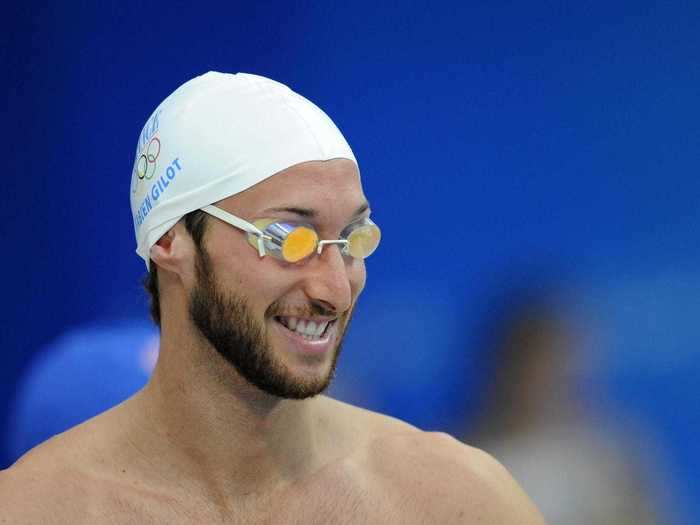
(281, 325)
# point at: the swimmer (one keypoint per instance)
(251, 219)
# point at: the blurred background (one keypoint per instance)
(533, 166)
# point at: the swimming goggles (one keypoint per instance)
(293, 242)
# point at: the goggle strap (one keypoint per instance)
(232, 219)
(261, 245)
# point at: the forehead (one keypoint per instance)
(329, 187)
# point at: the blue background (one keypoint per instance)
(499, 143)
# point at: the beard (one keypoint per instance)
(227, 322)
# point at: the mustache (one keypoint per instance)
(314, 308)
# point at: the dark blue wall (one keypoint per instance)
(492, 138)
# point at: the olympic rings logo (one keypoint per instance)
(146, 165)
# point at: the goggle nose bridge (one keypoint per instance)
(343, 242)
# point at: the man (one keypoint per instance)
(250, 215)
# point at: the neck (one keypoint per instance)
(218, 429)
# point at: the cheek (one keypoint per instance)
(358, 277)
(253, 283)
(234, 264)
(259, 281)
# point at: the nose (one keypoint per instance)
(329, 279)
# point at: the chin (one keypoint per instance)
(304, 381)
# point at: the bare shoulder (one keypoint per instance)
(431, 477)
(446, 481)
(361, 423)
(38, 490)
(55, 482)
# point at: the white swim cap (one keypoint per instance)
(217, 135)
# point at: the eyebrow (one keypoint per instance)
(310, 213)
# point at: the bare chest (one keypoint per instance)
(337, 498)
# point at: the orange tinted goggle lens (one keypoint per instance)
(299, 244)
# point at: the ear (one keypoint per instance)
(172, 250)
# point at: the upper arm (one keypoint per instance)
(512, 501)
(478, 477)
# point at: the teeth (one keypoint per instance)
(307, 329)
(321, 328)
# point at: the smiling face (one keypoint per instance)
(281, 324)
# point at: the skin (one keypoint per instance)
(200, 444)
